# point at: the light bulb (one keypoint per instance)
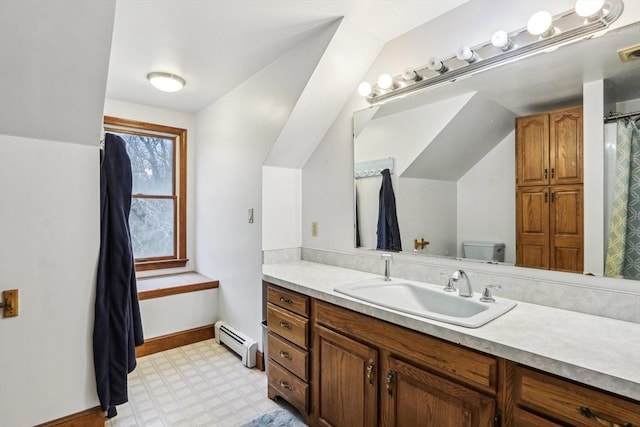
(589, 8)
(385, 81)
(365, 89)
(435, 64)
(410, 74)
(501, 39)
(540, 23)
(466, 54)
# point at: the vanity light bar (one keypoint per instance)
(568, 27)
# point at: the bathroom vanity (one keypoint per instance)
(345, 362)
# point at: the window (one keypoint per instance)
(158, 201)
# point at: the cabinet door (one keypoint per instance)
(566, 228)
(532, 227)
(414, 397)
(345, 372)
(565, 147)
(532, 150)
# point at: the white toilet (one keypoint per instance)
(487, 251)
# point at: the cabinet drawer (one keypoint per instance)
(288, 325)
(289, 356)
(292, 301)
(522, 418)
(571, 402)
(283, 383)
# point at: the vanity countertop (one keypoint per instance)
(593, 350)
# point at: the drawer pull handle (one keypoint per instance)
(285, 325)
(285, 354)
(389, 381)
(287, 300)
(370, 367)
(285, 385)
(589, 414)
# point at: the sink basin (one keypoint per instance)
(428, 301)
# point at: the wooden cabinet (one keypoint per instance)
(347, 385)
(549, 196)
(545, 400)
(549, 227)
(288, 347)
(549, 148)
(418, 397)
(421, 380)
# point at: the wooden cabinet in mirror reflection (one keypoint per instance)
(549, 193)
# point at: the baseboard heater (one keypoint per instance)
(237, 342)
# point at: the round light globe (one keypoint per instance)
(540, 23)
(365, 89)
(500, 39)
(385, 81)
(589, 8)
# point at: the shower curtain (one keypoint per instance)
(623, 247)
(117, 328)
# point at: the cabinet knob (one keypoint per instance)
(287, 300)
(583, 410)
(285, 385)
(370, 367)
(285, 354)
(389, 381)
(285, 325)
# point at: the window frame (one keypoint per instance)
(179, 137)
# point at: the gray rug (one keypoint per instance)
(277, 418)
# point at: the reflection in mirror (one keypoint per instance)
(453, 147)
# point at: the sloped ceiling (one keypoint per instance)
(469, 134)
(53, 71)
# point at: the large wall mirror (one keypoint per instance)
(451, 149)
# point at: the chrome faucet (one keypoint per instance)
(387, 266)
(464, 285)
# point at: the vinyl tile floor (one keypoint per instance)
(201, 384)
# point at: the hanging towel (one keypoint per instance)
(117, 328)
(388, 229)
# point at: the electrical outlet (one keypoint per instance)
(314, 229)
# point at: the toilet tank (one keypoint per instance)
(488, 251)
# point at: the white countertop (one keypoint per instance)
(598, 351)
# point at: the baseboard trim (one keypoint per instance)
(259, 361)
(94, 417)
(178, 339)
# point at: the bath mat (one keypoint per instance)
(277, 418)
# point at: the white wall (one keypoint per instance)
(281, 208)
(486, 200)
(235, 134)
(177, 313)
(427, 210)
(593, 111)
(49, 242)
(127, 110)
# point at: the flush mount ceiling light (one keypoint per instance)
(166, 82)
(546, 32)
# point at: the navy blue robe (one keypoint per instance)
(388, 228)
(117, 328)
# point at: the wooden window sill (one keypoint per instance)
(173, 284)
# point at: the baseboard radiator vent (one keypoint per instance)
(237, 342)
